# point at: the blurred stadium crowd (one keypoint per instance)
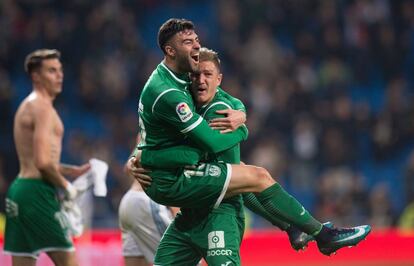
(328, 86)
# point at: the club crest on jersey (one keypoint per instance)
(184, 112)
(214, 170)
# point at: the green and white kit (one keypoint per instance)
(207, 226)
(34, 221)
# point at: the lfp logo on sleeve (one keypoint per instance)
(184, 112)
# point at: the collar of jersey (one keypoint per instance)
(174, 76)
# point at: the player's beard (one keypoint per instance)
(194, 66)
(186, 64)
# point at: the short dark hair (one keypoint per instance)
(170, 28)
(210, 55)
(34, 60)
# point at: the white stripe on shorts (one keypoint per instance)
(225, 186)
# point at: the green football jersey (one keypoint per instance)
(233, 101)
(222, 101)
(234, 205)
(169, 124)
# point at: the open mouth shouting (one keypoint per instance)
(195, 58)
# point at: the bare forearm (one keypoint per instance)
(66, 169)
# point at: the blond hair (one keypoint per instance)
(210, 55)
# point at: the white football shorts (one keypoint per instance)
(142, 222)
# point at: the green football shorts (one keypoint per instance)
(203, 186)
(34, 222)
(216, 238)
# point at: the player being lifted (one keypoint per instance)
(228, 217)
(211, 103)
(173, 136)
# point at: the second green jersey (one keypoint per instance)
(222, 101)
(233, 205)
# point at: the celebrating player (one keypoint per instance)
(173, 135)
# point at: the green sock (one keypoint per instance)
(279, 203)
(253, 204)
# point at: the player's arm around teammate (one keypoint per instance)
(180, 45)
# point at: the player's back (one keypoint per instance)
(24, 125)
(154, 130)
(167, 116)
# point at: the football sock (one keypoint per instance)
(279, 203)
(253, 204)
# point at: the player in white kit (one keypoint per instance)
(143, 223)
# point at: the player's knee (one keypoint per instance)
(63, 258)
(263, 178)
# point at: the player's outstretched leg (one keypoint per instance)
(279, 203)
(298, 239)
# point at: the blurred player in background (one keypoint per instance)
(174, 136)
(142, 222)
(34, 222)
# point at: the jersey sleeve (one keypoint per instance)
(175, 108)
(236, 103)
